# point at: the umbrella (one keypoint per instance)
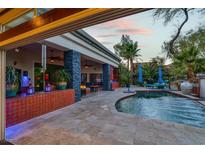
(140, 78)
(160, 74)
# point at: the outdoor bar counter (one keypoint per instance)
(22, 108)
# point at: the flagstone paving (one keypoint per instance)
(94, 120)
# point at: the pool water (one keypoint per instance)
(164, 106)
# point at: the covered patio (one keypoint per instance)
(22, 27)
(37, 67)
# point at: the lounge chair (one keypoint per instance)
(152, 86)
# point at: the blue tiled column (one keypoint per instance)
(73, 67)
(106, 77)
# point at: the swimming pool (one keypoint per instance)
(164, 106)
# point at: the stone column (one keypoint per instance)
(106, 77)
(2, 95)
(72, 64)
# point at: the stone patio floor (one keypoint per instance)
(94, 120)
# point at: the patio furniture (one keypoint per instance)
(155, 86)
(94, 88)
(152, 86)
(160, 86)
(186, 87)
(85, 91)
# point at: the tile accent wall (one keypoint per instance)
(20, 109)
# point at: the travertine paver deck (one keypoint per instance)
(94, 120)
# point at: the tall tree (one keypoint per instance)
(168, 14)
(158, 60)
(128, 50)
(124, 75)
(189, 57)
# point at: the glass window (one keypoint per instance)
(83, 78)
(20, 20)
(43, 10)
(26, 17)
(95, 78)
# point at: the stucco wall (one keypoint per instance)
(69, 41)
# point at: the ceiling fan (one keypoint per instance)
(87, 65)
(53, 58)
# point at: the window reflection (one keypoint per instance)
(25, 17)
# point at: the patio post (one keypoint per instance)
(43, 63)
(72, 64)
(2, 95)
(106, 77)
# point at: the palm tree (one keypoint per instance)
(121, 50)
(189, 61)
(128, 50)
(158, 60)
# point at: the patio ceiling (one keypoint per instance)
(59, 21)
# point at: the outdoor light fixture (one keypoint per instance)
(86, 66)
(25, 79)
(41, 70)
(48, 88)
(17, 50)
(52, 61)
(30, 91)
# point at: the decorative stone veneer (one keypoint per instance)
(106, 77)
(73, 67)
(20, 109)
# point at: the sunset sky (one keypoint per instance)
(141, 27)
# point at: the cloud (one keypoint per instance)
(118, 24)
(142, 46)
(106, 42)
(124, 26)
(135, 31)
(107, 35)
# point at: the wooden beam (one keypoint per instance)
(45, 22)
(2, 95)
(40, 21)
(2, 9)
(12, 14)
(75, 21)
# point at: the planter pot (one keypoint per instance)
(174, 86)
(11, 90)
(61, 85)
(196, 89)
(186, 88)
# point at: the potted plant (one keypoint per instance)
(12, 82)
(174, 86)
(61, 78)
